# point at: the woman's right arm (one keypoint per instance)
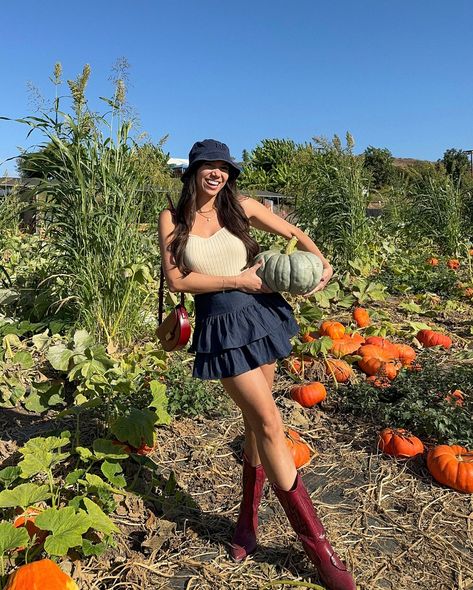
(195, 282)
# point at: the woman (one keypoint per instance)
(241, 329)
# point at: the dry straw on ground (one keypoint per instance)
(395, 527)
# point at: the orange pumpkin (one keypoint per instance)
(340, 370)
(452, 466)
(361, 317)
(26, 519)
(385, 344)
(453, 263)
(433, 261)
(347, 344)
(308, 337)
(468, 292)
(299, 450)
(377, 361)
(456, 397)
(308, 395)
(398, 442)
(406, 354)
(431, 338)
(332, 329)
(470, 252)
(40, 575)
(293, 365)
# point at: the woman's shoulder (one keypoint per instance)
(166, 220)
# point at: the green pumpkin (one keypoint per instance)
(295, 271)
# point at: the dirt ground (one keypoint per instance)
(394, 526)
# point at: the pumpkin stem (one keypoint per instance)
(291, 246)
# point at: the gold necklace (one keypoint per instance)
(204, 216)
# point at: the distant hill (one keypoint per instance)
(405, 162)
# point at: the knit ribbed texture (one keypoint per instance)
(223, 254)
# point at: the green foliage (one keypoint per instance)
(416, 401)
(91, 204)
(379, 162)
(457, 164)
(191, 397)
(438, 212)
(334, 213)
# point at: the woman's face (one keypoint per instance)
(211, 177)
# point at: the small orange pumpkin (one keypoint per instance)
(432, 261)
(361, 317)
(398, 442)
(308, 337)
(331, 329)
(26, 519)
(453, 263)
(44, 574)
(293, 365)
(468, 292)
(452, 466)
(470, 252)
(339, 369)
(456, 397)
(299, 450)
(309, 394)
(377, 361)
(380, 382)
(406, 354)
(431, 338)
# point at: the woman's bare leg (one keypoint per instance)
(250, 447)
(251, 393)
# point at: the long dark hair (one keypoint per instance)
(230, 214)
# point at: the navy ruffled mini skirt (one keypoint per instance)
(236, 332)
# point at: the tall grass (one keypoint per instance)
(91, 209)
(438, 211)
(337, 201)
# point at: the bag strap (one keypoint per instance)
(161, 276)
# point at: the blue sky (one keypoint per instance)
(395, 74)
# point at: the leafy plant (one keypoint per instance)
(188, 396)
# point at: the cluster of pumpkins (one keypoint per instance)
(381, 360)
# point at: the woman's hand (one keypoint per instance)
(249, 282)
(326, 276)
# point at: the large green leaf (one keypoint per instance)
(105, 449)
(136, 428)
(39, 455)
(160, 401)
(24, 495)
(24, 359)
(59, 356)
(82, 340)
(112, 472)
(11, 537)
(8, 475)
(101, 522)
(66, 526)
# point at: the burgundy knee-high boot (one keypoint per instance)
(244, 537)
(303, 518)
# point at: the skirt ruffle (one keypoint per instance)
(236, 332)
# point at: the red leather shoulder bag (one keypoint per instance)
(175, 330)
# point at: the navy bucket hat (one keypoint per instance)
(210, 150)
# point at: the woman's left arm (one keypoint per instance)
(261, 217)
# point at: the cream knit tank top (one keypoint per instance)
(222, 254)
